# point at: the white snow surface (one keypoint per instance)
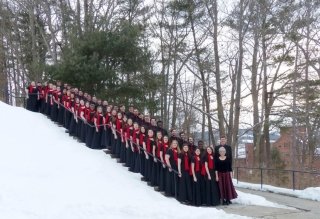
(45, 174)
(312, 193)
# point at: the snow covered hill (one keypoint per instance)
(45, 174)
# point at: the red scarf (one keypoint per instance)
(196, 163)
(159, 147)
(119, 124)
(186, 162)
(31, 88)
(98, 117)
(108, 116)
(175, 155)
(210, 161)
(149, 144)
(142, 138)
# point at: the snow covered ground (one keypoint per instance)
(45, 174)
(312, 193)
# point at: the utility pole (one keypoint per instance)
(294, 111)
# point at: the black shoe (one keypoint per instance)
(224, 202)
(229, 202)
(143, 179)
(157, 189)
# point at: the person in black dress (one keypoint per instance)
(184, 161)
(142, 142)
(156, 161)
(163, 169)
(171, 188)
(212, 191)
(128, 142)
(223, 174)
(197, 178)
(135, 162)
(90, 126)
(148, 146)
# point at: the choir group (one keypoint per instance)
(172, 164)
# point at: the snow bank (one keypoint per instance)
(312, 193)
(45, 174)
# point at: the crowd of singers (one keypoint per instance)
(171, 163)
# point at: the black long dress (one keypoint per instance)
(135, 161)
(212, 190)
(185, 190)
(171, 188)
(196, 186)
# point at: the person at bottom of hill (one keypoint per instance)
(90, 126)
(147, 147)
(135, 161)
(212, 191)
(171, 157)
(163, 169)
(142, 141)
(185, 190)
(197, 179)
(223, 172)
(156, 161)
(99, 123)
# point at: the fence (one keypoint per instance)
(291, 179)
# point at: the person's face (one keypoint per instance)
(165, 139)
(94, 99)
(130, 121)
(109, 109)
(77, 100)
(135, 125)
(99, 102)
(174, 144)
(222, 151)
(160, 124)
(197, 151)
(114, 112)
(147, 118)
(185, 148)
(131, 109)
(119, 115)
(58, 89)
(87, 104)
(150, 133)
(39, 84)
(174, 132)
(99, 110)
(153, 122)
(85, 95)
(105, 103)
(143, 130)
(135, 112)
(182, 135)
(80, 93)
(190, 140)
(123, 108)
(141, 116)
(223, 141)
(159, 135)
(209, 150)
(200, 144)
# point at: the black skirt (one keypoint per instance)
(60, 114)
(155, 173)
(185, 190)
(196, 189)
(142, 163)
(96, 141)
(148, 168)
(113, 143)
(162, 177)
(123, 152)
(118, 145)
(83, 132)
(212, 190)
(90, 131)
(171, 187)
(129, 156)
(135, 162)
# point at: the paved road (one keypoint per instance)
(304, 209)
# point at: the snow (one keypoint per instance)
(312, 193)
(45, 174)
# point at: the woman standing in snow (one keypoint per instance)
(135, 161)
(172, 162)
(185, 191)
(142, 141)
(212, 191)
(223, 174)
(196, 178)
(148, 146)
(163, 169)
(156, 161)
(33, 96)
